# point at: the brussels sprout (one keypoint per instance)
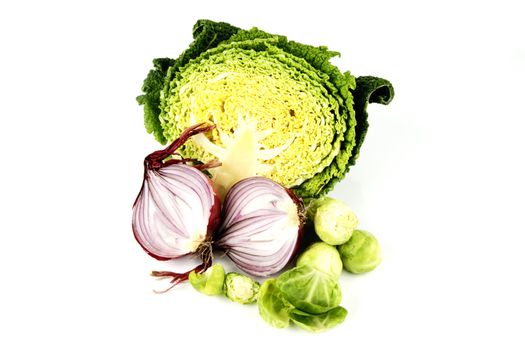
(321, 322)
(241, 289)
(273, 308)
(323, 257)
(361, 253)
(333, 220)
(209, 282)
(309, 289)
(314, 204)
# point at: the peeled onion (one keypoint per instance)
(262, 226)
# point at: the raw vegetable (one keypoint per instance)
(262, 226)
(209, 282)
(323, 257)
(177, 208)
(281, 108)
(274, 123)
(241, 289)
(321, 322)
(273, 307)
(305, 295)
(333, 220)
(361, 253)
(309, 289)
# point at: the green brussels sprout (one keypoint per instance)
(361, 253)
(333, 220)
(313, 204)
(273, 307)
(241, 289)
(321, 322)
(323, 257)
(310, 289)
(210, 281)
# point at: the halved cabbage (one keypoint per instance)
(281, 109)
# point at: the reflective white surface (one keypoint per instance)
(439, 180)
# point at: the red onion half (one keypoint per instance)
(177, 209)
(262, 226)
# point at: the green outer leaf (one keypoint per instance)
(309, 289)
(273, 308)
(368, 90)
(207, 34)
(209, 282)
(319, 323)
(151, 99)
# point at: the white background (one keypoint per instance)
(439, 180)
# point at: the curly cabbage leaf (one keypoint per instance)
(281, 109)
